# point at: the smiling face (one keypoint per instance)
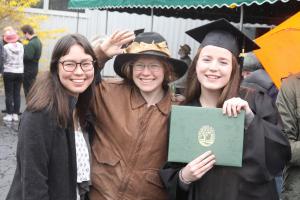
(214, 68)
(77, 81)
(148, 75)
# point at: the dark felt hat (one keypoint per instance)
(222, 33)
(153, 44)
(136, 32)
(186, 48)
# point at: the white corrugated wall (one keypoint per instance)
(171, 28)
(95, 22)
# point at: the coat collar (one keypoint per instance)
(137, 101)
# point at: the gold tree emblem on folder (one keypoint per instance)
(206, 135)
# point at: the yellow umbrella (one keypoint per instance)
(280, 49)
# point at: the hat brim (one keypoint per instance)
(179, 67)
(11, 39)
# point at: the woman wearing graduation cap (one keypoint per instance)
(214, 81)
(130, 144)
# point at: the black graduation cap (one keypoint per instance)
(222, 33)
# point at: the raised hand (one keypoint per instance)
(233, 106)
(177, 98)
(112, 45)
(198, 167)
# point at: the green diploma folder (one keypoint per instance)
(195, 130)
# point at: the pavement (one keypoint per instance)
(8, 143)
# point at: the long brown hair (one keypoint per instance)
(48, 93)
(193, 87)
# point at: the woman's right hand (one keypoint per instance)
(111, 46)
(198, 167)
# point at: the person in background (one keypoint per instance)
(254, 76)
(184, 52)
(98, 40)
(13, 69)
(250, 64)
(180, 84)
(1, 57)
(214, 82)
(32, 54)
(288, 103)
(53, 159)
(131, 125)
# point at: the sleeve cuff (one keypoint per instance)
(102, 58)
(183, 186)
(295, 147)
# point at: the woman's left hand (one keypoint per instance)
(112, 45)
(233, 106)
(177, 98)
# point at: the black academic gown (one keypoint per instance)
(266, 150)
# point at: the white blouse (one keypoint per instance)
(82, 157)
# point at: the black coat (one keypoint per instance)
(266, 150)
(46, 160)
(32, 54)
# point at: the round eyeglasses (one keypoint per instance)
(151, 67)
(70, 65)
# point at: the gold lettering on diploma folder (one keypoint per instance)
(206, 135)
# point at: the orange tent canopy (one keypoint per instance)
(280, 49)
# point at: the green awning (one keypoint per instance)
(113, 4)
(270, 12)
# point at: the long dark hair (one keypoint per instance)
(193, 87)
(48, 93)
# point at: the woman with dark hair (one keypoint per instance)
(130, 144)
(214, 82)
(53, 159)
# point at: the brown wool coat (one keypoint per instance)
(130, 144)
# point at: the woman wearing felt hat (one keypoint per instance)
(130, 144)
(13, 69)
(214, 81)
